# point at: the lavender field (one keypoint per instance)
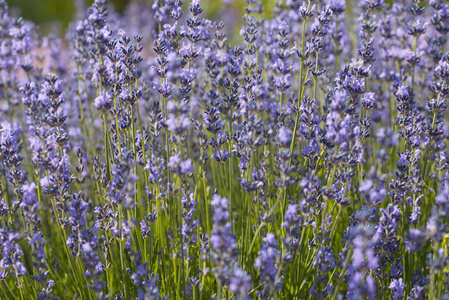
(169, 153)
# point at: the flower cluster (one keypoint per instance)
(178, 151)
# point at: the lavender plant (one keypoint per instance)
(168, 153)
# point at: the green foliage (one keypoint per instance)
(48, 11)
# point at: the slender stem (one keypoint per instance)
(301, 82)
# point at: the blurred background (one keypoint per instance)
(58, 13)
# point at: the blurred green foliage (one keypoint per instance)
(45, 12)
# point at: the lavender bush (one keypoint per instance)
(162, 155)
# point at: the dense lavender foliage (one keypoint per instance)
(162, 155)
